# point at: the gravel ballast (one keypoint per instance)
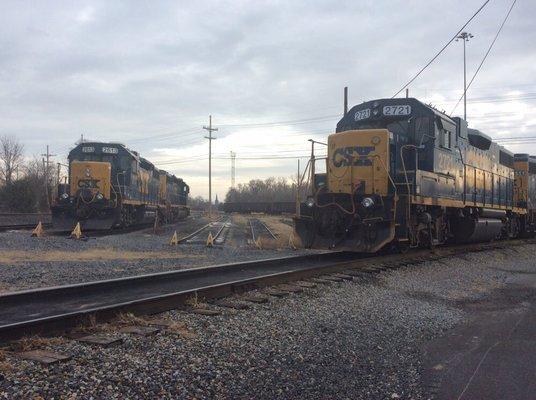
(27, 262)
(349, 340)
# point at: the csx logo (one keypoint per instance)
(88, 184)
(352, 155)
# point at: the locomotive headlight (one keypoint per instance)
(99, 196)
(64, 196)
(367, 202)
(88, 172)
(310, 202)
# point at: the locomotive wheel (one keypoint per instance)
(126, 217)
(401, 247)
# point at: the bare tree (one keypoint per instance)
(11, 157)
(270, 189)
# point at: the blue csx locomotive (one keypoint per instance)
(399, 172)
(112, 186)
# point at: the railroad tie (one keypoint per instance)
(343, 276)
(322, 281)
(161, 323)
(331, 278)
(358, 273)
(276, 292)
(140, 330)
(44, 356)
(259, 299)
(232, 304)
(305, 284)
(290, 288)
(204, 311)
(100, 340)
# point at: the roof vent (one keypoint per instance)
(479, 139)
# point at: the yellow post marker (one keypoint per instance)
(38, 231)
(77, 231)
(210, 240)
(291, 241)
(174, 240)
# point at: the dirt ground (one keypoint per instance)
(55, 259)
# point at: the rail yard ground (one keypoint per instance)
(458, 327)
(55, 259)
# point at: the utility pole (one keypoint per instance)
(210, 138)
(464, 36)
(233, 169)
(47, 167)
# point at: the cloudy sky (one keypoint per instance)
(271, 73)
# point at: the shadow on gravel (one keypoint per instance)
(491, 355)
(499, 299)
(514, 271)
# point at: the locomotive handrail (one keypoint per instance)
(402, 148)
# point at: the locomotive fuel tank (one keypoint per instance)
(487, 226)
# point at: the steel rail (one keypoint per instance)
(257, 222)
(24, 226)
(203, 228)
(3, 214)
(48, 310)
(268, 230)
(252, 230)
(56, 309)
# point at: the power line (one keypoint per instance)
(485, 55)
(233, 168)
(442, 49)
(210, 138)
(289, 122)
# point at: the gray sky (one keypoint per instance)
(148, 74)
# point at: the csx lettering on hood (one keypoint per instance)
(352, 155)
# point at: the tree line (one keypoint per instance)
(268, 190)
(26, 185)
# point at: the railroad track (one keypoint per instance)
(56, 309)
(15, 221)
(23, 226)
(260, 230)
(219, 229)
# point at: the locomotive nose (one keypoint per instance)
(85, 194)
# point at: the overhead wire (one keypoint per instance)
(442, 50)
(485, 56)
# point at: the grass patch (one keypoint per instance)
(20, 256)
(5, 366)
(29, 343)
(178, 328)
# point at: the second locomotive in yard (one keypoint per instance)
(111, 186)
(399, 172)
